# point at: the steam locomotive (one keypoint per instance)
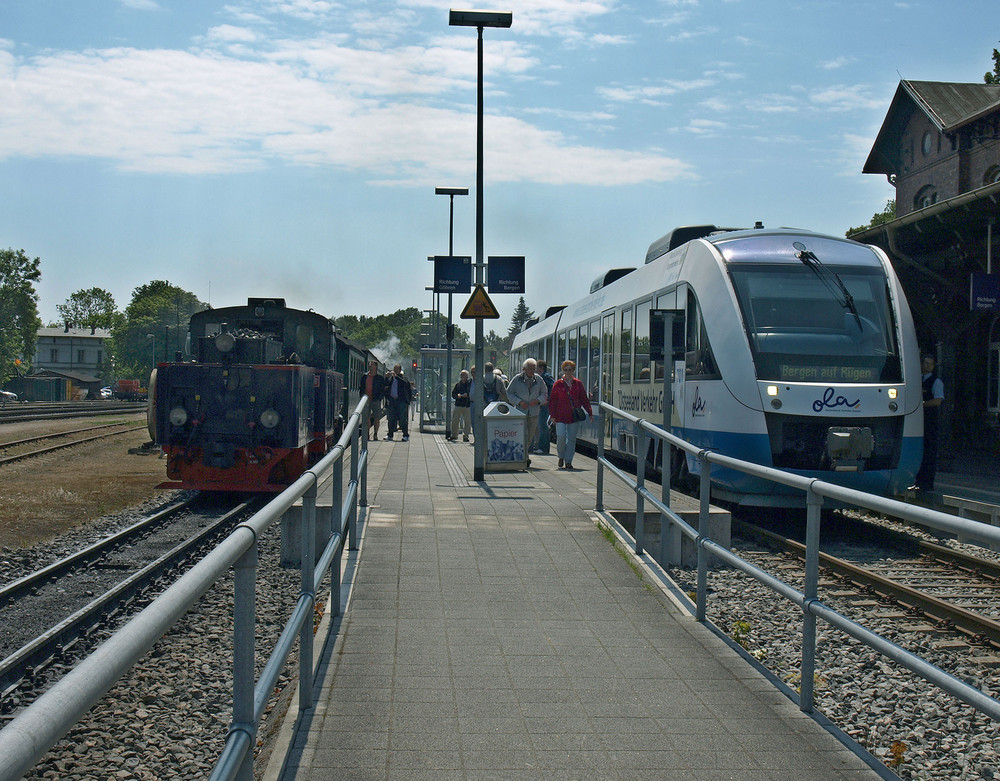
(260, 403)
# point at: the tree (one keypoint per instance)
(154, 324)
(93, 308)
(521, 315)
(994, 78)
(888, 214)
(19, 320)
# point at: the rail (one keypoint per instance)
(25, 740)
(672, 526)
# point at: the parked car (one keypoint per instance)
(106, 393)
(6, 396)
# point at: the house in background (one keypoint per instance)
(74, 350)
(939, 145)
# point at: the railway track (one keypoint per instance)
(32, 446)
(958, 591)
(49, 614)
(28, 411)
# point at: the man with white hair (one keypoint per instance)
(528, 392)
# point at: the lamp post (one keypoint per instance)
(451, 192)
(479, 20)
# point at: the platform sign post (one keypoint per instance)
(505, 274)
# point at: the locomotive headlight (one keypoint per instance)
(772, 390)
(225, 343)
(178, 416)
(269, 418)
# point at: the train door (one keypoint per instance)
(609, 366)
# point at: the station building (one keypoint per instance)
(939, 145)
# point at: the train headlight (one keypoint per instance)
(893, 393)
(772, 390)
(178, 416)
(269, 418)
(225, 343)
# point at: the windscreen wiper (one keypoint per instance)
(829, 278)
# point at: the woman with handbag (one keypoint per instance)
(568, 406)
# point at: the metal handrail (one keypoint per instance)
(34, 731)
(672, 525)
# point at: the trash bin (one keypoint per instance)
(505, 451)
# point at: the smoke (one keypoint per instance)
(387, 351)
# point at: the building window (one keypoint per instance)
(54, 355)
(927, 145)
(926, 196)
(81, 356)
(992, 175)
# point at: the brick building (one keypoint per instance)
(939, 145)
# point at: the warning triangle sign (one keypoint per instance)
(480, 307)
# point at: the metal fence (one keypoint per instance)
(672, 526)
(33, 732)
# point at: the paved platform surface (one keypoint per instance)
(494, 632)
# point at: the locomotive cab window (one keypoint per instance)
(809, 324)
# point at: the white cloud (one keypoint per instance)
(141, 5)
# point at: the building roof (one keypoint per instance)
(49, 333)
(948, 105)
(78, 377)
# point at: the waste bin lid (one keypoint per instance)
(501, 409)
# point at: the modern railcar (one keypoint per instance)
(260, 403)
(799, 352)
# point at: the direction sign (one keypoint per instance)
(452, 274)
(480, 307)
(505, 274)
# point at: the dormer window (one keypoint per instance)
(926, 196)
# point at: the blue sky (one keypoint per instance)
(291, 147)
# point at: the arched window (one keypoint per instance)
(926, 196)
(992, 175)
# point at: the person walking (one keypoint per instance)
(528, 393)
(933, 399)
(373, 386)
(568, 406)
(542, 444)
(398, 396)
(462, 394)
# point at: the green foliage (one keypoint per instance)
(93, 308)
(19, 320)
(158, 308)
(994, 78)
(521, 315)
(395, 338)
(888, 214)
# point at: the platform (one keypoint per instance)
(493, 632)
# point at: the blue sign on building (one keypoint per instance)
(984, 292)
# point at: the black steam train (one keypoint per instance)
(261, 402)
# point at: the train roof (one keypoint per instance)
(780, 245)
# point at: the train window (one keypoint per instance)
(803, 329)
(625, 347)
(641, 366)
(561, 349)
(698, 358)
(571, 355)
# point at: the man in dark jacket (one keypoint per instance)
(397, 397)
(373, 386)
(461, 393)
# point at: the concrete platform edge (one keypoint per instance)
(673, 592)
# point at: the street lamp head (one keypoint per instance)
(451, 190)
(480, 18)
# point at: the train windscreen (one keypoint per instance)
(818, 324)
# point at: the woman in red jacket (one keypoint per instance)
(567, 393)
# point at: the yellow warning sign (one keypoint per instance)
(480, 307)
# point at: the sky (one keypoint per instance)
(291, 148)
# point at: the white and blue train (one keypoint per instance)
(799, 352)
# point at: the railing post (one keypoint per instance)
(640, 483)
(352, 517)
(337, 478)
(810, 590)
(703, 514)
(244, 650)
(363, 434)
(308, 567)
(600, 461)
